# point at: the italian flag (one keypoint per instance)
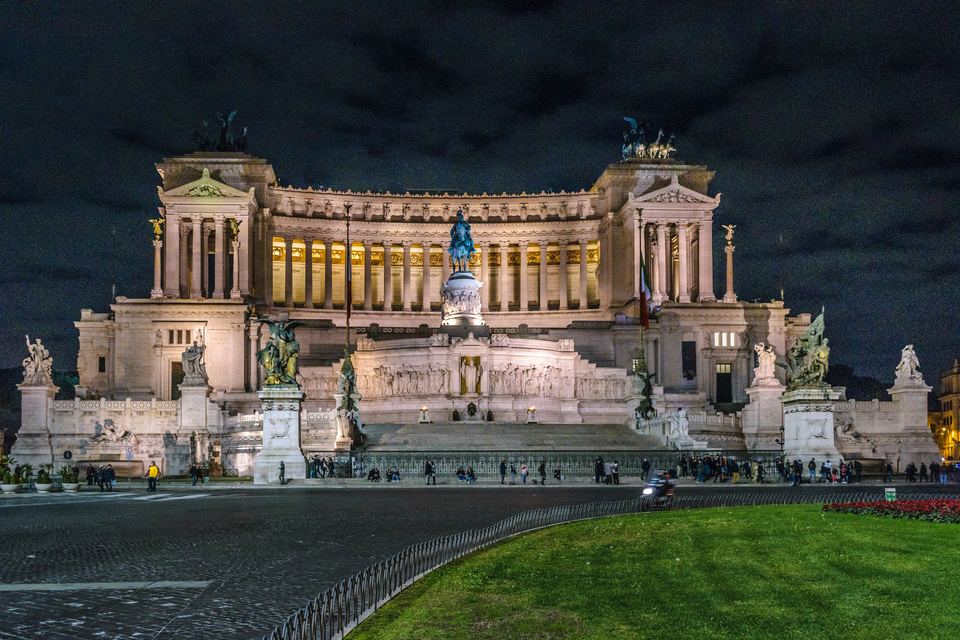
(645, 297)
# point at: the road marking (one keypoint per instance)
(151, 497)
(188, 497)
(78, 586)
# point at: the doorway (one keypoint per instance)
(724, 382)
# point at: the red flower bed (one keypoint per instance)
(933, 510)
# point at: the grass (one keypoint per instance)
(743, 573)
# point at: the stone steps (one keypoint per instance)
(504, 436)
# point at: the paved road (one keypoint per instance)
(229, 563)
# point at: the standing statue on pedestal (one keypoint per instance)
(461, 243)
(194, 369)
(766, 362)
(809, 358)
(38, 366)
(908, 371)
(279, 356)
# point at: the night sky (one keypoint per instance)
(833, 126)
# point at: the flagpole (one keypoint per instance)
(348, 289)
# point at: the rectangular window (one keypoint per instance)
(636, 365)
(179, 336)
(102, 364)
(170, 341)
(716, 339)
(187, 334)
(723, 367)
(733, 341)
(723, 339)
(688, 360)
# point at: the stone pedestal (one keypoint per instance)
(460, 300)
(33, 444)
(763, 417)
(914, 441)
(808, 424)
(193, 424)
(281, 436)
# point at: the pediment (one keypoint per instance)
(206, 187)
(676, 193)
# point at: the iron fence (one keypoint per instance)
(486, 464)
(336, 611)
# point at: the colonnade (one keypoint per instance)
(187, 270)
(676, 271)
(409, 274)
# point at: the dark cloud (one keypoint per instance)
(831, 126)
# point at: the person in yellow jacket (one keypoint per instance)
(152, 474)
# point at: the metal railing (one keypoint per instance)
(333, 613)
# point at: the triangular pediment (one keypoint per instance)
(206, 187)
(676, 193)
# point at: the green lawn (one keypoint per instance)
(743, 573)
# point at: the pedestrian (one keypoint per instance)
(557, 475)
(513, 473)
(858, 469)
(524, 472)
(543, 472)
(645, 468)
(109, 477)
(943, 474)
(503, 472)
(812, 466)
(597, 469)
(91, 474)
(193, 474)
(283, 470)
(426, 471)
(152, 474)
(616, 471)
(759, 472)
(607, 472)
(923, 472)
(889, 471)
(683, 465)
(735, 471)
(200, 474)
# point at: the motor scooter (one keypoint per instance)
(659, 490)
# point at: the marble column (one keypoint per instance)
(328, 273)
(684, 294)
(505, 289)
(730, 296)
(196, 290)
(235, 293)
(267, 248)
(485, 276)
(583, 274)
(387, 277)
(524, 291)
(254, 335)
(655, 294)
(564, 301)
(427, 299)
(218, 278)
(662, 256)
(288, 273)
(638, 237)
(308, 273)
(445, 261)
(705, 283)
(407, 289)
(367, 275)
(544, 276)
(171, 282)
(157, 291)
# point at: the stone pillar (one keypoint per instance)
(662, 255)
(367, 275)
(583, 274)
(506, 288)
(808, 424)
(763, 417)
(427, 294)
(245, 281)
(184, 261)
(684, 294)
(729, 296)
(544, 276)
(218, 278)
(445, 262)
(328, 273)
(171, 282)
(157, 291)
(33, 444)
(485, 276)
(196, 290)
(281, 436)
(288, 273)
(387, 277)
(705, 283)
(524, 291)
(564, 300)
(407, 289)
(254, 336)
(235, 293)
(656, 296)
(308, 273)
(193, 414)
(205, 287)
(638, 238)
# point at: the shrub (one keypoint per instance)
(932, 510)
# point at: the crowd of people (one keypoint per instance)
(318, 467)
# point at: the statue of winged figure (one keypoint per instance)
(729, 228)
(279, 357)
(157, 227)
